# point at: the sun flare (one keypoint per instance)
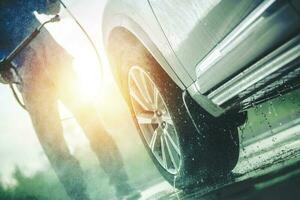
(85, 62)
(88, 76)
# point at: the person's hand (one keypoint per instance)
(53, 6)
(50, 7)
(6, 73)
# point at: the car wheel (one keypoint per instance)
(183, 153)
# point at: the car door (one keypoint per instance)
(195, 27)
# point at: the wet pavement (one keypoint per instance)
(268, 168)
(275, 182)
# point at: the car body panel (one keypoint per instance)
(272, 28)
(137, 17)
(255, 31)
(195, 27)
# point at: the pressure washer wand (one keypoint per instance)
(28, 39)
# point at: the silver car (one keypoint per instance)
(189, 70)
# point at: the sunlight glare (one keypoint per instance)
(85, 62)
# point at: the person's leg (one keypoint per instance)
(41, 103)
(101, 141)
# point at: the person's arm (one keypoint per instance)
(48, 7)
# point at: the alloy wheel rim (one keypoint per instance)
(154, 119)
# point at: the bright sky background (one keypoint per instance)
(18, 143)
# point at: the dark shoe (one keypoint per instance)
(126, 192)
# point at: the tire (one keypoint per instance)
(208, 148)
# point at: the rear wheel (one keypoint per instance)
(185, 153)
(154, 120)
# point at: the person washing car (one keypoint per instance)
(47, 76)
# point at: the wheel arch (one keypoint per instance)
(121, 32)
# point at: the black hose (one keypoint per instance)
(16, 96)
(11, 85)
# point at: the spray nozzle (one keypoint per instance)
(56, 18)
